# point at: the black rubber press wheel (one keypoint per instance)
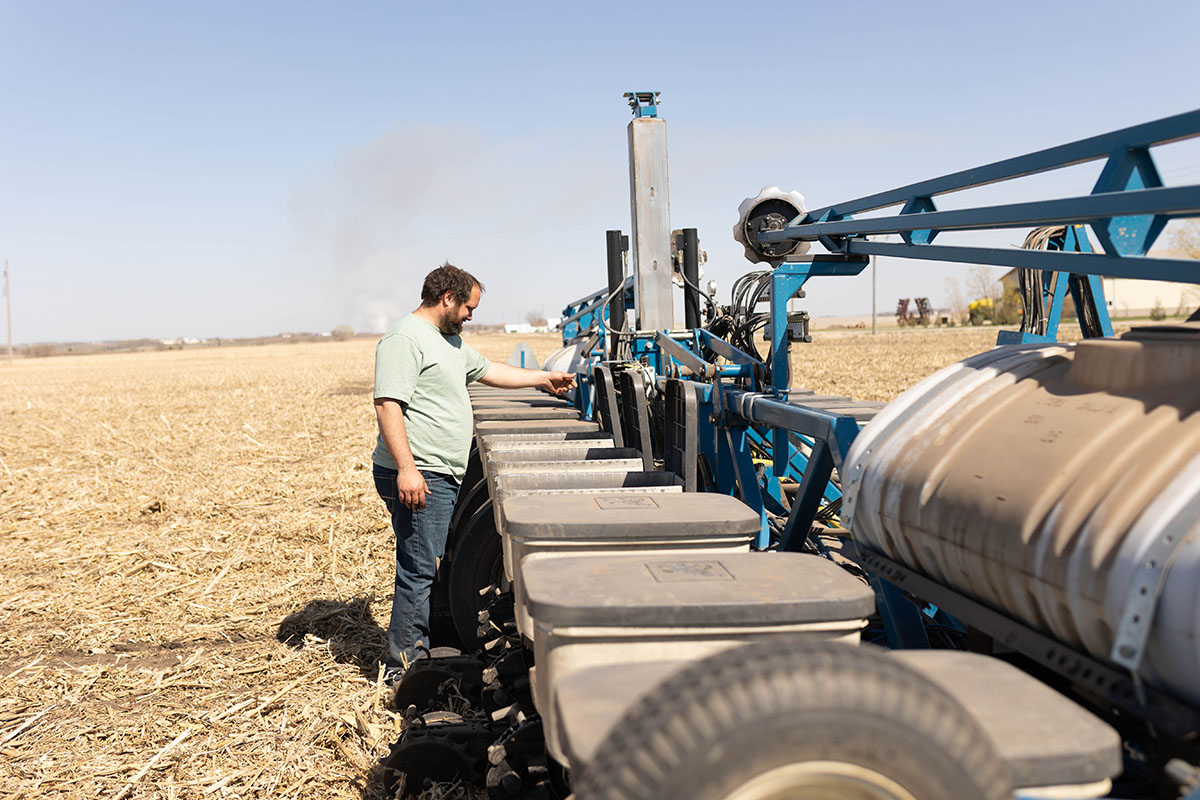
(793, 721)
(476, 563)
(469, 501)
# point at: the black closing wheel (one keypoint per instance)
(470, 498)
(795, 721)
(476, 563)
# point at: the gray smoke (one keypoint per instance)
(396, 207)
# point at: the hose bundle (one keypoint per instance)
(1032, 287)
(740, 323)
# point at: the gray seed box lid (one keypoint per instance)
(619, 464)
(484, 405)
(558, 451)
(591, 701)
(484, 427)
(546, 438)
(1046, 739)
(543, 400)
(585, 476)
(520, 442)
(666, 516)
(655, 591)
(487, 414)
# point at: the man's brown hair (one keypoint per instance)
(448, 278)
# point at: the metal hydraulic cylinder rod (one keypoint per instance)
(651, 239)
(691, 278)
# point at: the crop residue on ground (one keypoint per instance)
(197, 570)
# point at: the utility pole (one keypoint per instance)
(8, 303)
(873, 315)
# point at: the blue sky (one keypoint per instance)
(236, 169)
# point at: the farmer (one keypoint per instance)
(422, 368)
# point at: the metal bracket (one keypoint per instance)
(730, 353)
(919, 204)
(644, 104)
(788, 279)
(1128, 169)
(1129, 646)
(699, 367)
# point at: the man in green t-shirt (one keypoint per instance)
(422, 368)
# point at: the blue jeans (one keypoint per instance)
(420, 542)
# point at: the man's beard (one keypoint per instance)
(449, 325)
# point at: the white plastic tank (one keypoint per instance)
(1035, 478)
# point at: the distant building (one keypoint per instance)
(518, 327)
(525, 327)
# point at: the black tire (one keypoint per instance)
(469, 501)
(797, 721)
(474, 471)
(476, 563)
(471, 478)
(442, 630)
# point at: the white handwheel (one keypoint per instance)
(770, 210)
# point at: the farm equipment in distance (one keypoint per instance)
(694, 579)
(921, 315)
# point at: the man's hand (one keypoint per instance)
(506, 376)
(410, 484)
(558, 382)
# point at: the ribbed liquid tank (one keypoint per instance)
(1038, 478)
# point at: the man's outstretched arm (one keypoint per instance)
(506, 376)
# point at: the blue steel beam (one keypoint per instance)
(686, 357)
(727, 351)
(586, 305)
(808, 498)
(838, 430)
(1167, 202)
(699, 367)
(1162, 131)
(786, 281)
(1159, 269)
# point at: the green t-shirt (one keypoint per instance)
(427, 372)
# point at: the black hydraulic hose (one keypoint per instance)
(615, 245)
(691, 278)
(1089, 312)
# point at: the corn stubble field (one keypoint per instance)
(197, 572)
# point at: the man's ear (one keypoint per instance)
(447, 299)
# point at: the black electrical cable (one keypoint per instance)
(830, 510)
(1034, 319)
(1089, 315)
(739, 323)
